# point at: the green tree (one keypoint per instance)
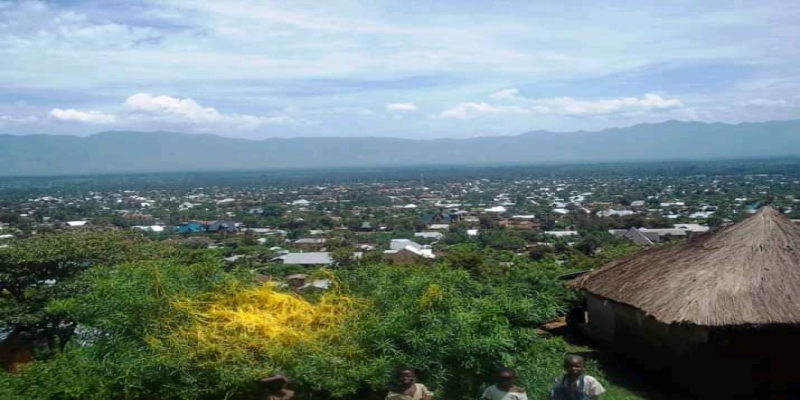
(502, 239)
(273, 211)
(43, 268)
(464, 256)
(539, 252)
(487, 222)
(343, 256)
(457, 234)
(455, 328)
(588, 245)
(714, 221)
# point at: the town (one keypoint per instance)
(326, 238)
(406, 220)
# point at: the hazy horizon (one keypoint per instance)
(588, 131)
(256, 70)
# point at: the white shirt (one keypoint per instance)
(493, 393)
(591, 386)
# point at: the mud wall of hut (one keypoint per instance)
(402, 257)
(628, 329)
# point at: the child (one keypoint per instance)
(505, 387)
(575, 384)
(275, 388)
(407, 388)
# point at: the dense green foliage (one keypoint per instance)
(43, 269)
(455, 324)
(456, 329)
(110, 355)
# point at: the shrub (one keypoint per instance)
(174, 329)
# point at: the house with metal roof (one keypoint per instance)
(223, 226)
(317, 258)
(405, 251)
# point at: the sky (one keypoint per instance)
(415, 69)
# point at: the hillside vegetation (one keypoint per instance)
(123, 317)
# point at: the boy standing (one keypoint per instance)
(407, 388)
(505, 387)
(575, 384)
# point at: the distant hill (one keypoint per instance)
(118, 152)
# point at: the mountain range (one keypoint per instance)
(123, 152)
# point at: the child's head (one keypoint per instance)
(275, 382)
(406, 376)
(506, 378)
(574, 365)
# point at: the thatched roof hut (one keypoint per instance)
(719, 307)
(742, 275)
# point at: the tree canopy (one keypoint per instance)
(148, 320)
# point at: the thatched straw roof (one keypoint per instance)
(745, 274)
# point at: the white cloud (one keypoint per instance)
(87, 117)
(765, 103)
(17, 119)
(144, 106)
(569, 106)
(34, 25)
(401, 107)
(263, 55)
(563, 106)
(504, 94)
(472, 110)
(165, 105)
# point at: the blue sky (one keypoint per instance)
(416, 69)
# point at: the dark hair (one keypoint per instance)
(399, 370)
(575, 357)
(274, 382)
(506, 370)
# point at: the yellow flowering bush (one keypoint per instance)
(262, 320)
